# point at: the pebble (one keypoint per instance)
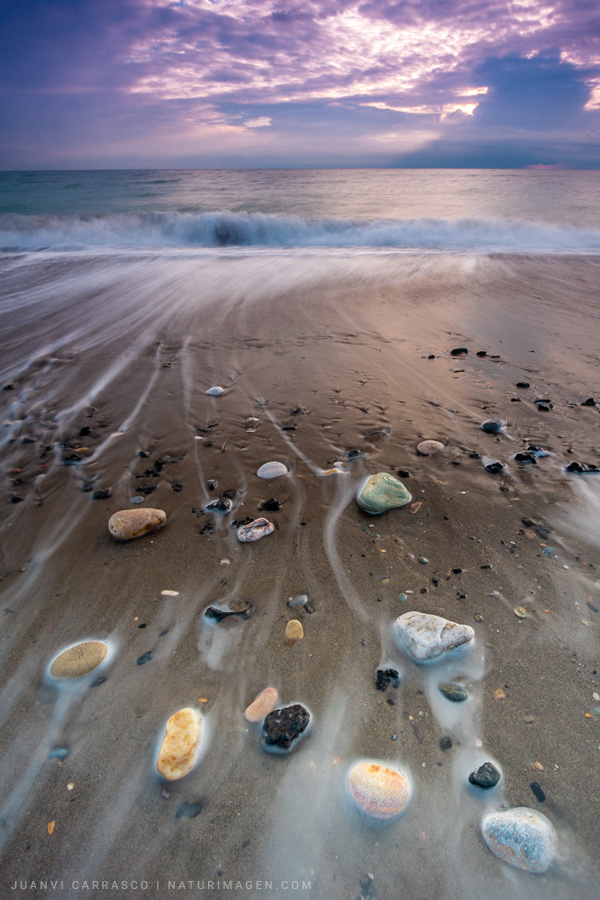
(215, 391)
(495, 466)
(428, 448)
(255, 530)
(272, 470)
(382, 492)
(217, 615)
(262, 705)
(294, 630)
(459, 351)
(452, 691)
(386, 677)
(132, 523)
(493, 426)
(427, 637)
(522, 837)
(379, 791)
(178, 750)
(282, 727)
(486, 776)
(79, 660)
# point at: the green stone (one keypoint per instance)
(382, 492)
(453, 692)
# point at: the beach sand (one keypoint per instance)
(330, 355)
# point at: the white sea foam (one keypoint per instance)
(20, 233)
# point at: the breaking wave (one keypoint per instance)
(20, 233)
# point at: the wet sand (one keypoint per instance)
(105, 369)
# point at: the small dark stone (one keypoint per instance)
(177, 486)
(385, 677)
(288, 427)
(221, 505)
(145, 488)
(142, 454)
(495, 467)
(457, 570)
(581, 468)
(403, 473)
(458, 351)
(445, 743)
(103, 494)
(188, 809)
(271, 505)
(208, 527)
(540, 530)
(98, 681)
(217, 615)
(454, 692)
(211, 484)
(355, 454)
(526, 456)
(486, 776)
(237, 523)
(474, 455)
(589, 402)
(87, 487)
(8, 387)
(298, 411)
(16, 499)
(146, 657)
(283, 726)
(592, 607)
(83, 432)
(231, 494)
(431, 356)
(523, 384)
(481, 353)
(537, 791)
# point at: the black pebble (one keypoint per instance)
(581, 468)
(217, 615)
(146, 657)
(385, 677)
(8, 387)
(188, 809)
(445, 743)
(145, 488)
(431, 356)
(589, 402)
(403, 473)
(211, 485)
(104, 494)
(458, 351)
(16, 499)
(271, 505)
(481, 353)
(486, 776)
(526, 456)
(537, 791)
(83, 432)
(177, 486)
(495, 467)
(283, 726)
(231, 494)
(523, 384)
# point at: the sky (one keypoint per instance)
(299, 83)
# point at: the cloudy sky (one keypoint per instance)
(148, 83)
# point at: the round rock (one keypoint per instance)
(262, 705)
(177, 752)
(428, 448)
(132, 523)
(272, 470)
(79, 660)
(255, 530)
(426, 637)
(294, 630)
(522, 837)
(493, 426)
(382, 492)
(379, 791)
(283, 727)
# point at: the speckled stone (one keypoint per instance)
(522, 837)
(427, 637)
(79, 660)
(452, 691)
(283, 727)
(132, 523)
(255, 530)
(294, 630)
(428, 448)
(379, 791)
(178, 750)
(382, 492)
(272, 470)
(262, 705)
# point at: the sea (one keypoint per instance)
(523, 211)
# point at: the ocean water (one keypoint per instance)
(447, 210)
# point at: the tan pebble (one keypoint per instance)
(169, 593)
(539, 766)
(51, 826)
(294, 630)
(132, 523)
(178, 750)
(428, 448)
(79, 660)
(262, 705)
(499, 694)
(70, 786)
(225, 562)
(379, 791)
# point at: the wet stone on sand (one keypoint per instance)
(272, 470)
(522, 837)
(132, 523)
(79, 660)
(454, 692)
(254, 530)
(486, 776)
(262, 705)
(379, 791)
(382, 492)
(283, 727)
(426, 637)
(428, 448)
(294, 630)
(177, 752)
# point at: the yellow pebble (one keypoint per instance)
(294, 630)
